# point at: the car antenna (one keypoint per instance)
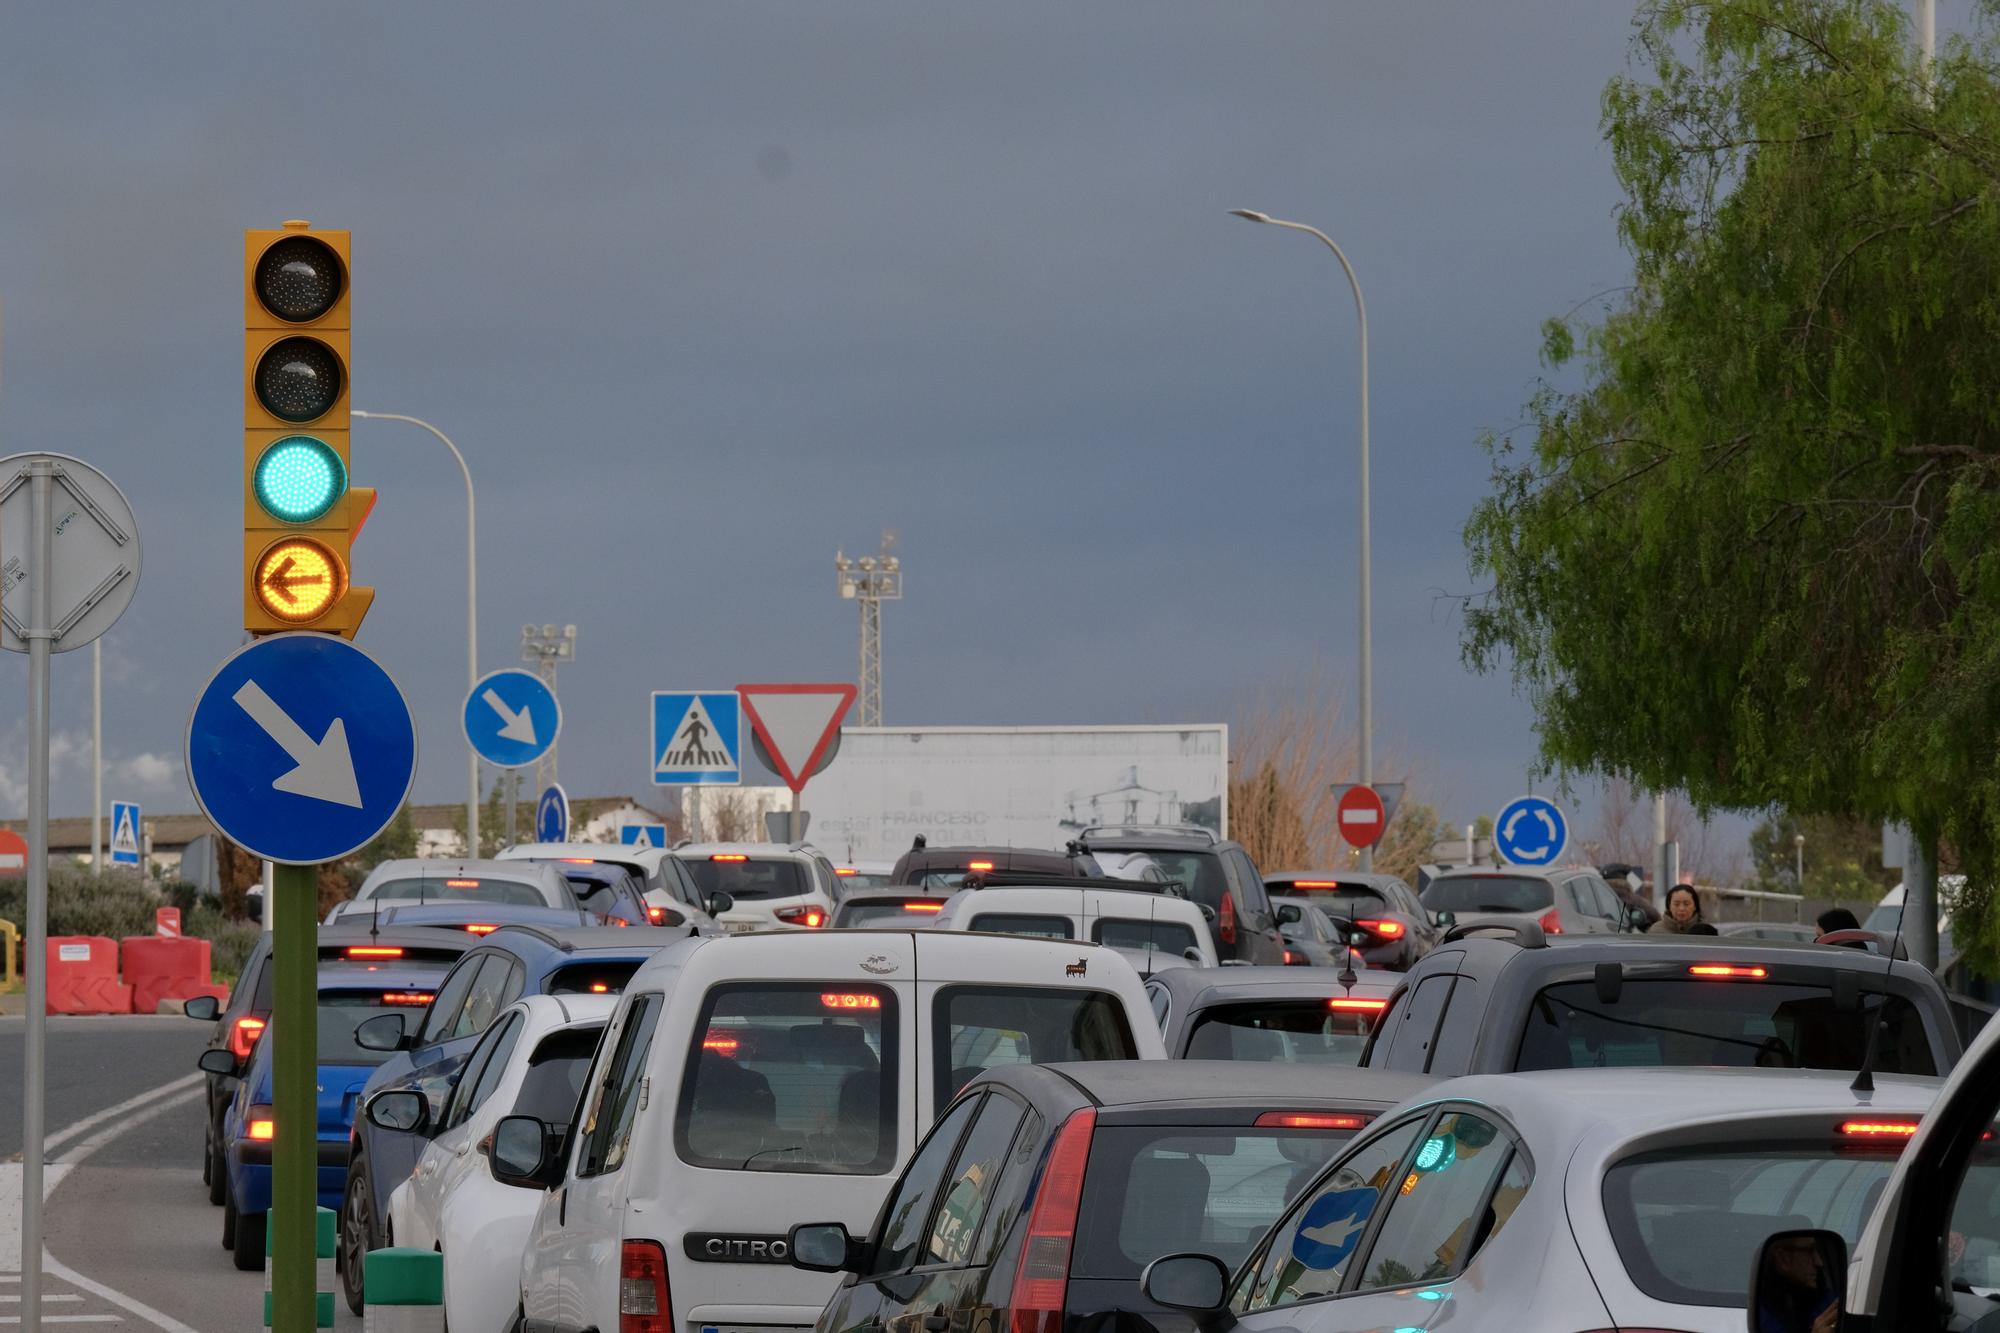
(375, 920)
(1347, 977)
(1864, 1078)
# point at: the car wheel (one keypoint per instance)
(357, 1213)
(250, 1229)
(216, 1177)
(229, 1224)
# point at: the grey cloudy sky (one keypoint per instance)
(705, 291)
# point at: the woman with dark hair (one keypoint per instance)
(1794, 1294)
(1683, 911)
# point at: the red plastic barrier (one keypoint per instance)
(83, 976)
(161, 968)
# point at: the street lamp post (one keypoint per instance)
(1367, 618)
(471, 615)
(1799, 865)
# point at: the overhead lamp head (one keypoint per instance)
(1249, 215)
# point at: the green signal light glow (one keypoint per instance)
(299, 478)
(1436, 1154)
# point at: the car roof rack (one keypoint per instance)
(1527, 934)
(1032, 879)
(1118, 831)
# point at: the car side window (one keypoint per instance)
(969, 1184)
(1451, 1051)
(1410, 1042)
(1309, 1251)
(488, 996)
(1254, 897)
(1608, 905)
(476, 1085)
(1444, 1209)
(909, 1208)
(1376, 1053)
(1161, 1003)
(614, 1104)
(450, 999)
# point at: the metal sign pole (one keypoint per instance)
(294, 1062)
(41, 543)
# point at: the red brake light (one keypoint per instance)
(374, 951)
(1041, 1278)
(850, 1000)
(1388, 930)
(413, 998)
(1290, 958)
(461, 884)
(1551, 922)
(809, 917)
(1352, 1004)
(1311, 1120)
(721, 1045)
(729, 856)
(843, 871)
(643, 1303)
(577, 860)
(656, 915)
(599, 988)
(1723, 970)
(978, 865)
(262, 1128)
(925, 906)
(1225, 920)
(1315, 883)
(482, 929)
(1877, 1129)
(244, 1035)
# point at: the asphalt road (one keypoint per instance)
(134, 1239)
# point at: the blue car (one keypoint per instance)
(349, 995)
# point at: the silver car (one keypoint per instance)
(1572, 901)
(1580, 1199)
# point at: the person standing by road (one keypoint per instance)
(1683, 912)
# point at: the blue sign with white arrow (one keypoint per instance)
(1332, 1227)
(642, 835)
(552, 814)
(1530, 831)
(511, 718)
(301, 748)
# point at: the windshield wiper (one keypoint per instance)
(745, 1164)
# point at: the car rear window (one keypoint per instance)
(1750, 1023)
(1200, 873)
(1158, 1190)
(1489, 893)
(591, 978)
(342, 1011)
(1021, 923)
(750, 878)
(792, 1077)
(980, 1027)
(1171, 937)
(1304, 1032)
(1334, 896)
(1688, 1222)
(890, 912)
(553, 1084)
(511, 891)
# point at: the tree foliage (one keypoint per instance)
(1752, 557)
(1843, 857)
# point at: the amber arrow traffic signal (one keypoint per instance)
(300, 516)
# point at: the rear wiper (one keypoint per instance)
(745, 1165)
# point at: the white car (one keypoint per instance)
(412, 880)
(751, 1081)
(1565, 1200)
(669, 889)
(865, 874)
(764, 885)
(532, 1061)
(1152, 930)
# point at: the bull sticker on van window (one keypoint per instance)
(880, 964)
(722, 1248)
(1079, 968)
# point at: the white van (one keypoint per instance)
(1151, 930)
(751, 1082)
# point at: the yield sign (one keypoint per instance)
(1363, 819)
(796, 724)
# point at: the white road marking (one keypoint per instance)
(89, 1122)
(16, 1300)
(67, 1319)
(166, 1323)
(103, 1136)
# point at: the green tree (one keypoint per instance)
(1843, 857)
(1751, 557)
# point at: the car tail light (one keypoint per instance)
(1388, 930)
(1315, 883)
(978, 865)
(850, 1000)
(1726, 970)
(1551, 922)
(374, 951)
(1349, 1004)
(599, 988)
(1312, 1120)
(643, 1303)
(657, 915)
(1041, 1279)
(415, 999)
(482, 928)
(843, 871)
(925, 906)
(1877, 1129)
(729, 856)
(577, 860)
(244, 1035)
(809, 917)
(261, 1125)
(1225, 920)
(1291, 959)
(461, 884)
(721, 1043)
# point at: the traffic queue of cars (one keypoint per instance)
(1042, 1090)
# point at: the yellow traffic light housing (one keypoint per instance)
(300, 516)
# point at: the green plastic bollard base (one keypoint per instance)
(399, 1276)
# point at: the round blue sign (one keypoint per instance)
(511, 718)
(1530, 831)
(301, 748)
(552, 814)
(1332, 1227)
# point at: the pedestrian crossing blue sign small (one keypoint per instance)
(125, 833)
(695, 738)
(642, 835)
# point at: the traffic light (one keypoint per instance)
(300, 516)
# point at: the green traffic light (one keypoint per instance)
(1437, 1153)
(299, 478)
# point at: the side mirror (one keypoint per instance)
(1289, 914)
(667, 916)
(1804, 1271)
(384, 1032)
(254, 908)
(1357, 939)
(1192, 954)
(1444, 920)
(521, 1154)
(219, 1061)
(1198, 1283)
(400, 1110)
(1207, 913)
(205, 1008)
(719, 902)
(823, 1247)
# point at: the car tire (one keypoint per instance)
(357, 1212)
(229, 1220)
(250, 1232)
(216, 1177)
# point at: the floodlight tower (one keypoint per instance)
(545, 646)
(871, 581)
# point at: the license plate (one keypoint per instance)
(736, 928)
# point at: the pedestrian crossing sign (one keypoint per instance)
(125, 833)
(695, 738)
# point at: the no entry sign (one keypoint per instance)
(1363, 819)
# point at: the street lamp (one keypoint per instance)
(1367, 619)
(1799, 865)
(471, 616)
(871, 581)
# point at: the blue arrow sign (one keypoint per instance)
(552, 814)
(695, 735)
(124, 833)
(301, 748)
(1530, 831)
(642, 835)
(511, 718)
(1331, 1227)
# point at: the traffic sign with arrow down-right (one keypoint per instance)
(511, 718)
